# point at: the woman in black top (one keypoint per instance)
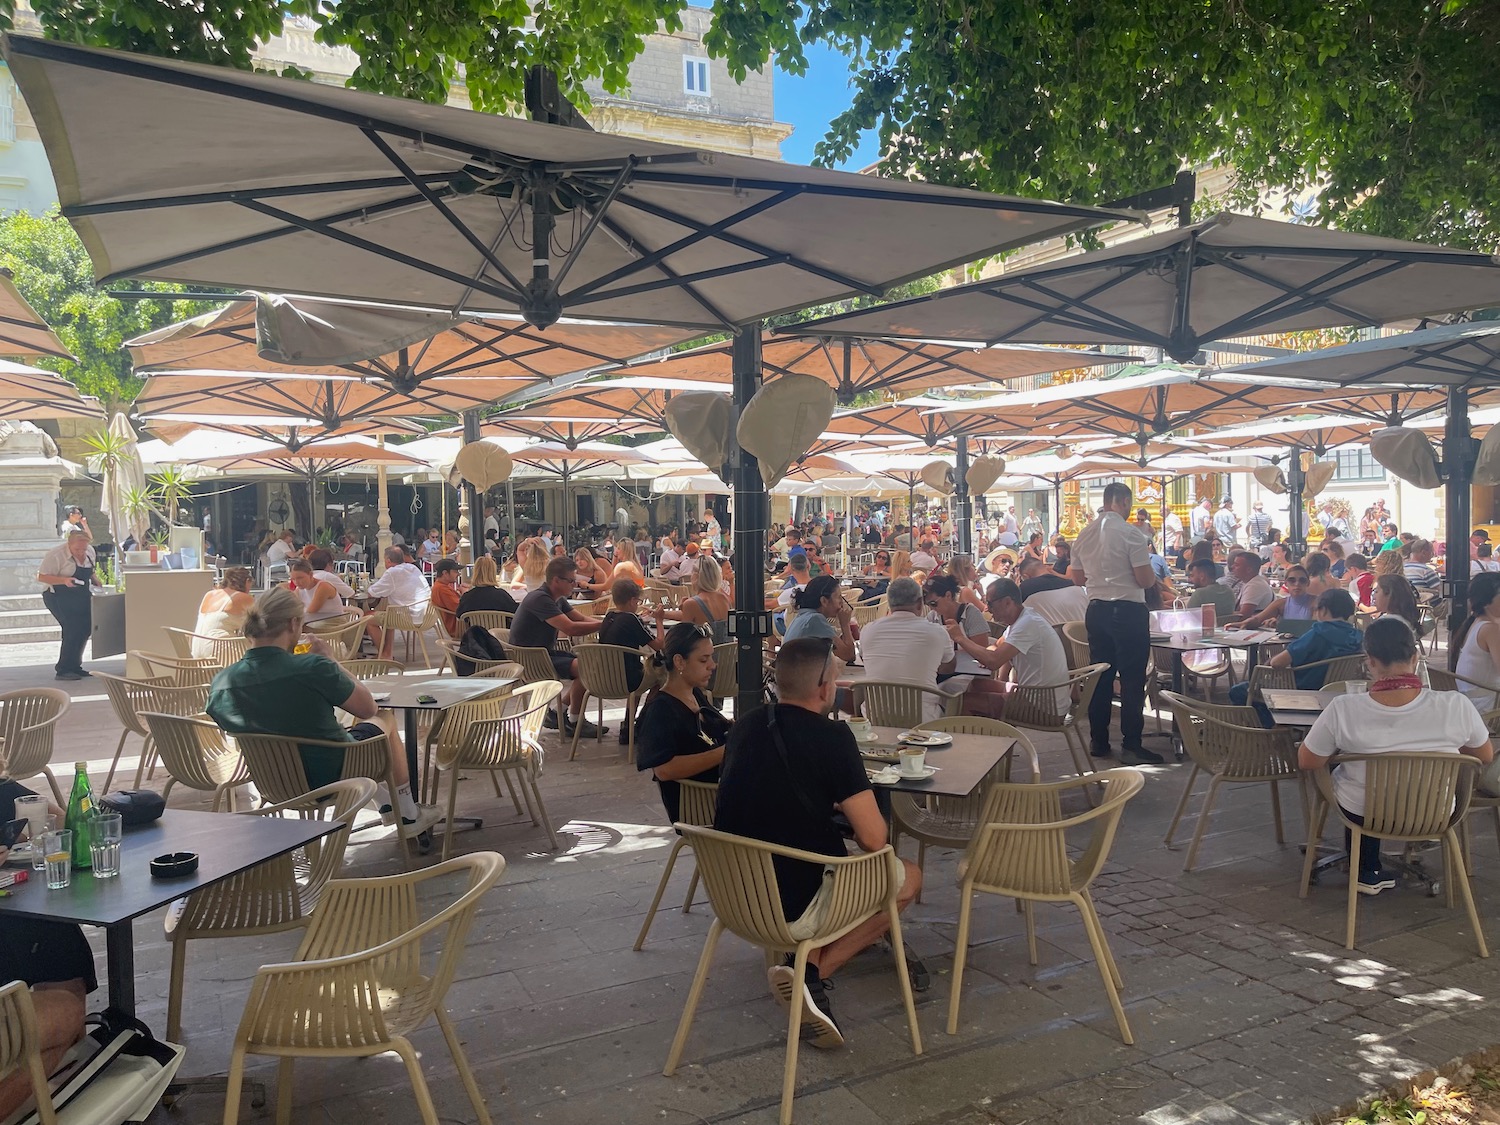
(680, 734)
(486, 592)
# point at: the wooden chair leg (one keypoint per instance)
(583, 710)
(1314, 837)
(960, 954)
(793, 1035)
(452, 801)
(898, 950)
(419, 1088)
(1276, 812)
(1187, 791)
(1354, 840)
(1028, 908)
(1456, 874)
(284, 1069)
(695, 993)
(541, 810)
(1108, 973)
(687, 899)
(1203, 811)
(455, 1048)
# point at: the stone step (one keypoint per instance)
(10, 602)
(37, 618)
(49, 632)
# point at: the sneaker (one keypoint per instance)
(427, 816)
(1100, 751)
(585, 728)
(1372, 883)
(550, 722)
(1139, 757)
(82, 673)
(68, 676)
(624, 734)
(817, 1013)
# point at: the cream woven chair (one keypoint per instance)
(1229, 744)
(1075, 637)
(357, 985)
(950, 822)
(1020, 851)
(21, 1046)
(742, 889)
(696, 804)
(279, 894)
(184, 671)
(128, 698)
(499, 733)
(486, 619)
(371, 668)
(601, 668)
(536, 663)
(28, 719)
(181, 640)
(1409, 796)
(1035, 708)
(471, 664)
(342, 635)
(889, 703)
(1263, 676)
(223, 651)
(865, 612)
(198, 755)
(403, 620)
(275, 764)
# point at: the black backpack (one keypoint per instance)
(477, 644)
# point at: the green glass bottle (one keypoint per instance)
(80, 812)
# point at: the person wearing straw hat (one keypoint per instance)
(1113, 559)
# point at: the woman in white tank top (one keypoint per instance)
(1477, 641)
(222, 611)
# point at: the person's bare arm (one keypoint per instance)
(1308, 760)
(864, 817)
(361, 704)
(1145, 577)
(843, 644)
(574, 624)
(1282, 659)
(1485, 752)
(1076, 575)
(321, 594)
(1255, 620)
(688, 765)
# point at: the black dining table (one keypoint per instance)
(226, 845)
(961, 766)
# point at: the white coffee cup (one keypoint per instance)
(860, 728)
(913, 759)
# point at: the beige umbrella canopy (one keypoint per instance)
(294, 186)
(24, 334)
(853, 367)
(124, 484)
(915, 421)
(402, 348)
(293, 436)
(29, 394)
(314, 459)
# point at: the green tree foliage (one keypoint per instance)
(52, 271)
(1391, 106)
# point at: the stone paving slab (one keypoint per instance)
(1244, 1004)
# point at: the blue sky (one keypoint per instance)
(811, 101)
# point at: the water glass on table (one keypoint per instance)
(33, 807)
(58, 848)
(105, 833)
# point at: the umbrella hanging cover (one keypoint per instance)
(701, 420)
(1408, 453)
(783, 420)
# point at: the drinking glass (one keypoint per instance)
(58, 848)
(33, 807)
(105, 832)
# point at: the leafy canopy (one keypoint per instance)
(52, 270)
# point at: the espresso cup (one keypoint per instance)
(913, 758)
(860, 728)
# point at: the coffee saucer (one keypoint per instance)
(927, 771)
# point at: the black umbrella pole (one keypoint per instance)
(750, 623)
(964, 514)
(1294, 514)
(1458, 461)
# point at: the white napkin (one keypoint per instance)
(887, 776)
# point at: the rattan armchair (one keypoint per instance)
(1075, 637)
(357, 986)
(601, 668)
(1230, 745)
(197, 754)
(28, 719)
(343, 636)
(499, 733)
(726, 685)
(1035, 708)
(279, 894)
(371, 668)
(403, 619)
(889, 703)
(1021, 851)
(486, 619)
(1263, 676)
(950, 822)
(129, 698)
(536, 663)
(696, 803)
(21, 1046)
(463, 665)
(863, 613)
(741, 882)
(1409, 796)
(275, 764)
(223, 651)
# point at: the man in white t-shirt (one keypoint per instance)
(1031, 651)
(1227, 522)
(923, 559)
(1396, 714)
(1051, 596)
(281, 550)
(906, 647)
(1200, 519)
(403, 585)
(1252, 593)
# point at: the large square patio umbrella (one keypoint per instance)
(23, 333)
(256, 181)
(1462, 359)
(1231, 275)
(29, 394)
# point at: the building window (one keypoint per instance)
(1357, 464)
(695, 76)
(7, 110)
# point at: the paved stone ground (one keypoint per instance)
(1244, 1004)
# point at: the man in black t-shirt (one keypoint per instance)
(758, 798)
(543, 614)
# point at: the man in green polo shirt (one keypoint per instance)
(273, 690)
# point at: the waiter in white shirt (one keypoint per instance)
(1112, 557)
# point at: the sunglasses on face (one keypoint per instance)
(1297, 582)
